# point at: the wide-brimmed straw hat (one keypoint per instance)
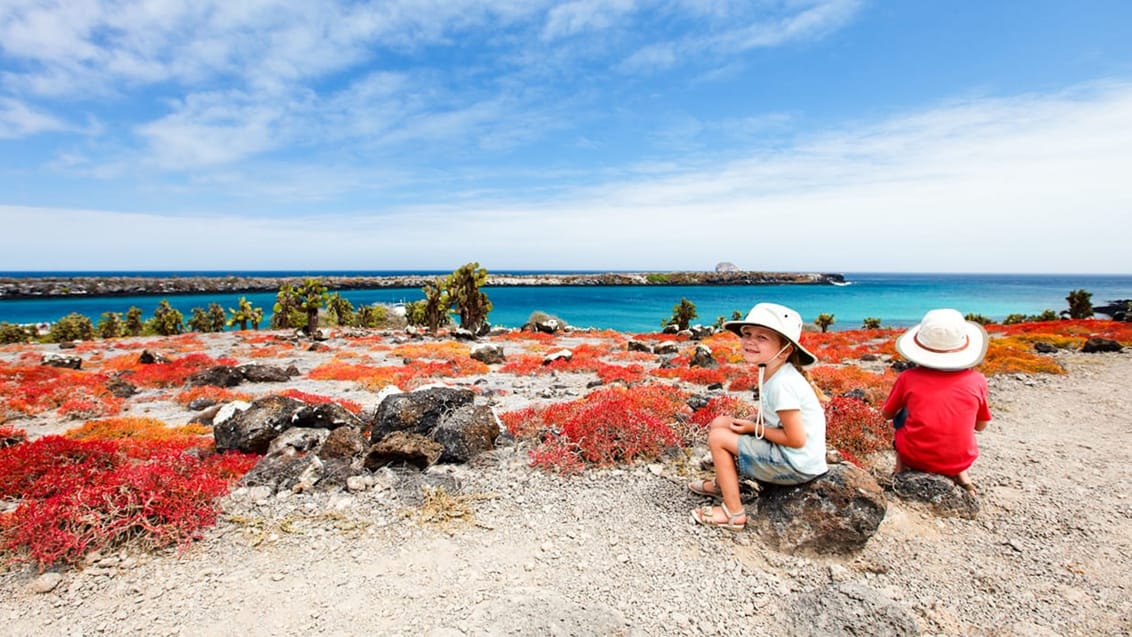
(944, 340)
(781, 319)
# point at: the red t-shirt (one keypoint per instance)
(938, 435)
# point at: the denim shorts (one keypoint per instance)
(765, 462)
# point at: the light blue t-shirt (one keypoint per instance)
(787, 389)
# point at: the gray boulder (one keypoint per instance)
(467, 432)
(1097, 344)
(286, 471)
(252, 429)
(638, 346)
(151, 358)
(700, 332)
(257, 373)
(325, 416)
(488, 354)
(403, 447)
(51, 359)
(417, 412)
(297, 440)
(703, 357)
(946, 498)
(216, 376)
(835, 513)
(229, 376)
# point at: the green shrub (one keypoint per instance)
(10, 333)
(72, 327)
(134, 324)
(341, 311)
(244, 314)
(380, 316)
(465, 294)
(166, 321)
(682, 314)
(111, 325)
(1080, 305)
(198, 322)
(823, 321)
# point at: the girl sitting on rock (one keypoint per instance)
(785, 444)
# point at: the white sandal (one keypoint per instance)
(705, 515)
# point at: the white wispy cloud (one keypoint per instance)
(814, 21)
(17, 119)
(418, 133)
(737, 27)
(269, 57)
(570, 18)
(981, 185)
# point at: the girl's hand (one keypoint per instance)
(742, 426)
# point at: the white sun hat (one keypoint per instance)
(944, 340)
(779, 318)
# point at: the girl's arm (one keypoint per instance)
(793, 431)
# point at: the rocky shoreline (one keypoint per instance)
(48, 287)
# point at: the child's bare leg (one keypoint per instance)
(727, 478)
(724, 445)
(899, 466)
(709, 487)
(963, 479)
(719, 422)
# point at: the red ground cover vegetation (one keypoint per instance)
(408, 376)
(842, 379)
(172, 373)
(209, 392)
(856, 428)
(318, 399)
(609, 426)
(111, 483)
(117, 481)
(838, 347)
(695, 375)
(30, 389)
(11, 436)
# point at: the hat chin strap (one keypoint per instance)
(760, 419)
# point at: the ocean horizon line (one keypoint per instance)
(898, 299)
(527, 272)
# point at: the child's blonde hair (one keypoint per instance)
(795, 359)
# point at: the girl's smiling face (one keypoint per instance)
(760, 345)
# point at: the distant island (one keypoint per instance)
(94, 286)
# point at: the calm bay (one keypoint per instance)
(899, 300)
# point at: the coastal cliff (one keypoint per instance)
(47, 287)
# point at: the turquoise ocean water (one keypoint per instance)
(899, 300)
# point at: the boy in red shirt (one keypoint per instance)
(937, 406)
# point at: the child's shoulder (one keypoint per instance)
(943, 374)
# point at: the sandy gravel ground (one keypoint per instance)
(515, 551)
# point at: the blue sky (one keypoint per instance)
(797, 135)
